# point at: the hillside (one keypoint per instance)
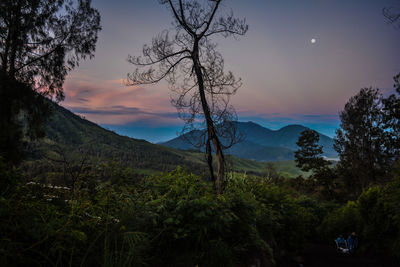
(260, 143)
(72, 137)
(67, 129)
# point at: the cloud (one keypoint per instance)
(100, 92)
(109, 101)
(115, 110)
(122, 110)
(121, 115)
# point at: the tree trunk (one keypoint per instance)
(15, 27)
(219, 182)
(209, 159)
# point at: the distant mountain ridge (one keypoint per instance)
(74, 136)
(260, 143)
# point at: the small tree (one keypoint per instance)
(308, 157)
(270, 173)
(189, 61)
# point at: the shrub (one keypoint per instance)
(188, 224)
(342, 220)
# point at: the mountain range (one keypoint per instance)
(259, 143)
(72, 138)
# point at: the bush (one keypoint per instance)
(375, 216)
(44, 225)
(172, 219)
(188, 224)
(342, 220)
(281, 220)
(380, 211)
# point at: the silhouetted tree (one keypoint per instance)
(392, 103)
(309, 158)
(361, 141)
(391, 118)
(309, 155)
(189, 61)
(41, 41)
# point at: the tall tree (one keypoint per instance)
(41, 41)
(391, 118)
(392, 103)
(194, 69)
(361, 140)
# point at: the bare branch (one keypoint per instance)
(228, 26)
(149, 76)
(208, 23)
(391, 15)
(137, 60)
(179, 19)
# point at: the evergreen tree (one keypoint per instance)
(308, 157)
(361, 141)
(41, 41)
(391, 117)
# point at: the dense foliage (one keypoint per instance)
(41, 41)
(173, 219)
(374, 216)
(73, 203)
(367, 141)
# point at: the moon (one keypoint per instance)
(313, 40)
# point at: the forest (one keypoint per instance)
(75, 194)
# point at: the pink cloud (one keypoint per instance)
(112, 102)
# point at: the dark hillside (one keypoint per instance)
(66, 131)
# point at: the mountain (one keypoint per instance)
(72, 137)
(260, 143)
(284, 137)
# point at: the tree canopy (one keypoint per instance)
(309, 156)
(365, 142)
(41, 42)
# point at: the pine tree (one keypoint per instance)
(309, 156)
(361, 141)
(41, 41)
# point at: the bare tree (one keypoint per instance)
(194, 69)
(74, 164)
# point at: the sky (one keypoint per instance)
(287, 79)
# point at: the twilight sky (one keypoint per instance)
(287, 79)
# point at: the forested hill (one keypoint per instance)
(70, 136)
(260, 143)
(70, 131)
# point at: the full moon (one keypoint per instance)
(313, 40)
